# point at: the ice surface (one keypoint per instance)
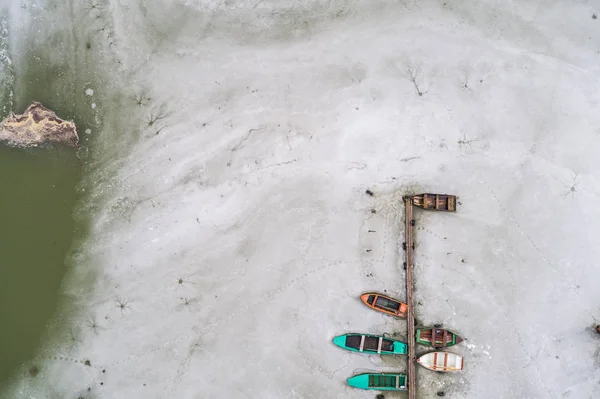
(232, 238)
(6, 71)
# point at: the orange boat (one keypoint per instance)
(385, 304)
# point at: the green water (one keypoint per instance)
(37, 198)
(53, 62)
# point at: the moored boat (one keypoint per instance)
(385, 304)
(442, 361)
(437, 337)
(370, 344)
(379, 381)
(435, 202)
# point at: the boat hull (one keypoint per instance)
(435, 202)
(379, 381)
(384, 304)
(442, 361)
(437, 337)
(370, 344)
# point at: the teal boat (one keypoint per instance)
(379, 381)
(370, 344)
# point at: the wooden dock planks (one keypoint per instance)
(408, 217)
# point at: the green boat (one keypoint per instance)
(370, 344)
(437, 337)
(379, 381)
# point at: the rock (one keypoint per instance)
(38, 125)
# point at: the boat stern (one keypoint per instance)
(400, 348)
(403, 309)
(360, 381)
(365, 297)
(457, 340)
(340, 341)
(418, 336)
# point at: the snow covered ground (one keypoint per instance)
(232, 234)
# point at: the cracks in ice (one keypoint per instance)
(102, 22)
(73, 339)
(127, 207)
(141, 100)
(93, 5)
(464, 141)
(572, 189)
(244, 139)
(278, 164)
(188, 302)
(155, 116)
(122, 304)
(413, 74)
(392, 180)
(287, 137)
(93, 324)
(184, 280)
(409, 159)
(464, 83)
(585, 380)
(376, 364)
(355, 165)
(341, 367)
(241, 144)
(245, 394)
(257, 161)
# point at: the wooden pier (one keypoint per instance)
(433, 202)
(409, 222)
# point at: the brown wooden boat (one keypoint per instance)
(437, 337)
(385, 304)
(435, 202)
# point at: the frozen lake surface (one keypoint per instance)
(232, 234)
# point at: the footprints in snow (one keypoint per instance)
(210, 327)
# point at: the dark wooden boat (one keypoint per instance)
(437, 337)
(435, 202)
(385, 304)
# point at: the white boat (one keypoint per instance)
(442, 361)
